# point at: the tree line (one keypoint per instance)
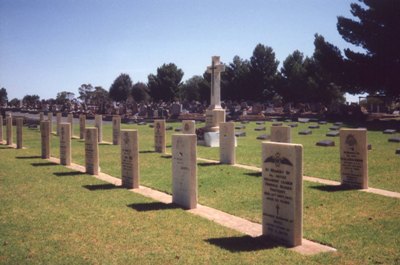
(324, 77)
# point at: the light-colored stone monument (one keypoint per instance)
(188, 127)
(116, 121)
(227, 152)
(354, 158)
(50, 119)
(45, 136)
(98, 123)
(41, 116)
(9, 130)
(65, 143)
(281, 134)
(184, 170)
(1, 129)
(70, 120)
(159, 136)
(58, 120)
(82, 126)
(282, 192)
(130, 159)
(19, 122)
(91, 151)
(215, 114)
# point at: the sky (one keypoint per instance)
(49, 46)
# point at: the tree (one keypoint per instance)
(14, 102)
(166, 84)
(64, 96)
(99, 96)
(263, 72)
(236, 79)
(85, 92)
(376, 29)
(31, 100)
(140, 92)
(3, 96)
(196, 88)
(121, 88)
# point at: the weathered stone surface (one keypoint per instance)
(19, 123)
(227, 152)
(188, 127)
(82, 126)
(394, 139)
(305, 132)
(389, 131)
(91, 151)
(332, 133)
(354, 158)
(184, 170)
(325, 143)
(130, 159)
(260, 128)
(281, 134)
(263, 137)
(116, 121)
(98, 123)
(213, 119)
(45, 139)
(65, 143)
(282, 197)
(159, 136)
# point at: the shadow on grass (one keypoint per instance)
(102, 187)
(146, 152)
(70, 173)
(253, 174)
(243, 243)
(44, 164)
(208, 164)
(168, 146)
(166, 156)
(152, 206)
(27, 157)
(6, 147)
(333, 188)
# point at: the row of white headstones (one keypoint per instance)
(282, 166)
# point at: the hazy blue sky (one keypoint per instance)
(48, 46)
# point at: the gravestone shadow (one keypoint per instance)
(243, 243)
(153, 206)
(102, 187)
(27, 157)
(146, 152)
(44, 164)
(208, 164)
(70, 173)
(166, 156)
(333, 188)
(253, 174)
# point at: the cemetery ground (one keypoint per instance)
(51, 214)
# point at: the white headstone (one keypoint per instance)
(116, 121)
(58, 122)
(281, 134)
(65, 143)
(19, 122)
(188, 127)
(98, 123)
(45, 137)
(82, 126)
(159, 136)
(130, 159)
(227, 152)
(9, 131)
(91, 151)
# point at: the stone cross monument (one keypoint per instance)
(215, 114)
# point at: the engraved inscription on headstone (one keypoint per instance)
(184, 170)
(65, 143)
(91, 151)
(130, 159)
(19, 123)
(280, 134)
(188, 127)
(82, 126)
(354, 158)
(9, 131)
(227, 152)
(116, 121)
(45, 136)
(98, 123)
(159, 136)
(282, 173)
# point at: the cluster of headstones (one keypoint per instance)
(9, 130)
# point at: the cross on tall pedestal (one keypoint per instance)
(215, 70)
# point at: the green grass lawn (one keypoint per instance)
(52, 215)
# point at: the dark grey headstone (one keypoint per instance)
(244, 122)
(288, 120)
(169, 128)
(325, 143)
(142, 123)
(334, 128)
(178, 129)
(260, 128)
(369, 146)
(293, 125)
(239, 127)
(277, 124)
(333, 133)
(313, 127)
(260, 122)
(305, 132)
(303, 120)
(389, 131)
(339, 123)
(394, 140)
(240, 134)
(398, 151)
(263, 137)
(322, 122)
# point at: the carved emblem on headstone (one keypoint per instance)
(278, 160)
